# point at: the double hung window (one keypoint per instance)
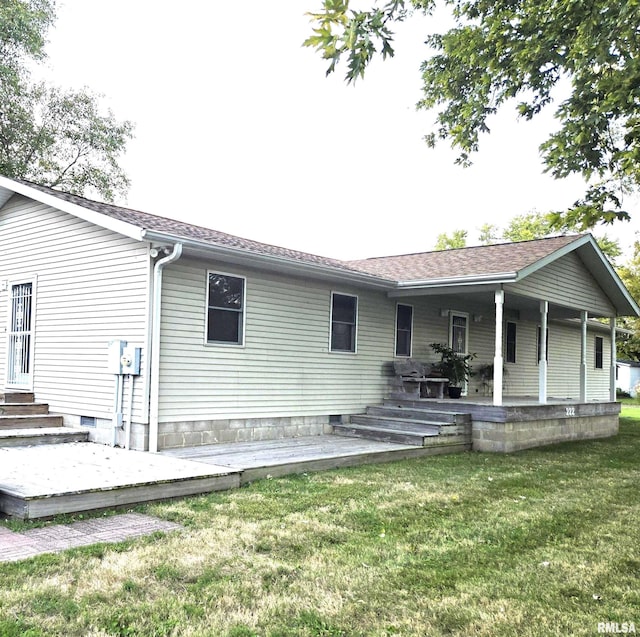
(225, 308)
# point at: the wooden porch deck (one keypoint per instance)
(43, 481)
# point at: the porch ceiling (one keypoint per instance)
(481, 300)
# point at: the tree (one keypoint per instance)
(457, 239)
(521, 52)
(628, 347)
(55, 137)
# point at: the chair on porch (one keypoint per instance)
(421, 380)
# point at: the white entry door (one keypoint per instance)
(20, 336)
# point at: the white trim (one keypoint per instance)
(466, 316)
(33, 281)
(498, 358)
(355, 336)
(410, 333)
(99, 219)
(583, 355)
(240, 344)
(542, 353)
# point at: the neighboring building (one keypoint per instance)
(240, 340)
(628, 377)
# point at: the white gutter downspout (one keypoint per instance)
(155, 344)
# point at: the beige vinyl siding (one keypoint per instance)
(565, 282)
(91, 288)
(285, 367)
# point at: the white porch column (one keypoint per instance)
(497, 358)
(612, 368)
(583, 357)
(542, 363)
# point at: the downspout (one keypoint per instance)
(155, 343)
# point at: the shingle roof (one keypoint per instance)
(463, 262)
(182, 230)
(473, 261)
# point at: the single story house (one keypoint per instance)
(155, 333)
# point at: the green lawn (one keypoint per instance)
(542, 542)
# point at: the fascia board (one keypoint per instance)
(445, 282)
(554, 256)
(623, 297)
(279, 264)
(104, 221)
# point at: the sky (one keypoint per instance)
(238, 129)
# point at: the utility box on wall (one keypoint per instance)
(123, 359)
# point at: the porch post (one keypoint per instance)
(497, 358)
(612, 368)
(542, 363)
(583, 357)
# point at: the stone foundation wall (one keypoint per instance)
(512, 436)
(209, 432)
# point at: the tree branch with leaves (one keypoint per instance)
(522, 53)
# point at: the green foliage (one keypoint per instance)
(456, 367)
(628, 346)
(457, 239)
(24, 24)
(59, 138)
(521, 52)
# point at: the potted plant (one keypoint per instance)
(454, 366)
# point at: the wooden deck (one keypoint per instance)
(254, 460)
(43, 481)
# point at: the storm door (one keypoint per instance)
(20, 336)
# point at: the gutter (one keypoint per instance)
(154, 354)
(259, 259)
(472, 279)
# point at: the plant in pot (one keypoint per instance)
(454, 366)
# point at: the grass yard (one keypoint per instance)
(542, 542)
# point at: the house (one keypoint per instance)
(154, 333)
(628, 377)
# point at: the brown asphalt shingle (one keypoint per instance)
(473, 261)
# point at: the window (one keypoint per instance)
(344, 314)
(599, 350)
(459, 333)
(404, 328)
(540, 343)
(225, 309)
(510, 350)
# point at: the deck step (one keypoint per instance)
(428, 427)
(23, 409)
(16, 397)
(383, 434)
(396, 410)
(42, 436)
(29, 422)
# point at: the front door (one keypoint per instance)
(20, 336)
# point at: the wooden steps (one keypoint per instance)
(409, 424)
(26, 422)
(41, 436)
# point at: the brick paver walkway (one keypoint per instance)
(53, 539)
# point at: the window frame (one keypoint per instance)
(507, 358)
(598, 352)
(354, 348)
(242, 311)
(410, 331)
(466, 316)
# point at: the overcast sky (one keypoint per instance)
(238, 129)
